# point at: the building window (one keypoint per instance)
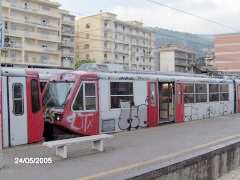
(87, 36)
(87, 56)
(26, 18)
(121, 92)
(88, 26)
(45, 8)
(14, 3)
(44, 59)
(86, 46)
(45, 22)
(26, 5)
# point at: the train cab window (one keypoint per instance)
(90, 96)
(35, 96)
(18, 108)
(86, 97)
(201, 93)
(120, 91)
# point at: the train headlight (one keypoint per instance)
(57, 117)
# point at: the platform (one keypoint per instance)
(128, 154)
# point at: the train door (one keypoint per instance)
(179, 101)
(238, 97)
(17, 121)
(166, 102)
(152, 104)
(34, 106)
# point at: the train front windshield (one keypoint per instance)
(56, 94)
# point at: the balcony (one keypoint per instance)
(41, 62)
(26, 9)
(42, 49)
(11, 60)
(66, 54)
(11, 32)
(67, 43)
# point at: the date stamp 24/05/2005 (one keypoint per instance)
(32, 160)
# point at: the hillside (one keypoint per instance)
(197, 42)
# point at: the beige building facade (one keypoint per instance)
(227, 52)
(105, 39)
(37, 34)
(174, 58)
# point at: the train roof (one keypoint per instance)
(18, 72)
(104, 71)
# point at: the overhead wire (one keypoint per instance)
(200, 17)
(76, 34)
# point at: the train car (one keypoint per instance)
(90, 103)
(20, 106)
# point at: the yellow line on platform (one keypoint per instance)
(155, 159)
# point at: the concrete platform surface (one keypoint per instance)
(128, 154)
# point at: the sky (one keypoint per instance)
(192, 16)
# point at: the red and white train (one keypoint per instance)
(21, 113)
(88, 102)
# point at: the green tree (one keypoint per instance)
(80, 62)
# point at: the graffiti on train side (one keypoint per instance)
(86, 121)
(194, 112)
(132, 117)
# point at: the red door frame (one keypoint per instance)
(35, 120)
(179, 94)
(153, 104)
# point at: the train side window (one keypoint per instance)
(213, 92)
(201, 92)
(90, 96)
(86, 97)
(188, 93)
(153, 94)
(224, 92)
(121, 91)
(18, 108)
(35, 96)
(179, 93)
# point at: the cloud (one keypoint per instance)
(225, 12)
(201, 17)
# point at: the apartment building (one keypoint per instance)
(37, 34)
(105, 39)
(227, 52)
(174, 58)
